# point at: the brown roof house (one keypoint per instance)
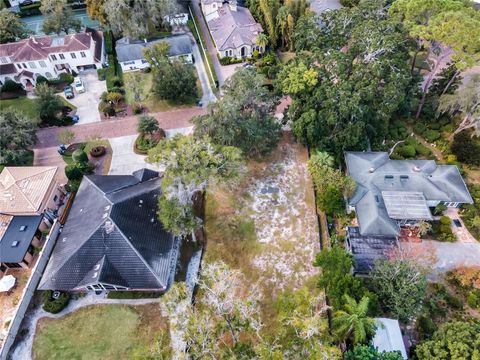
(49, 56)
(29, 199)
(233, 28)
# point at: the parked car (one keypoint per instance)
(78, 83)
(75, 119)
(68, 91)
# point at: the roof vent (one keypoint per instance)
(403, 177)
(388, 177)
(416, 168)
(94, 275)
(15, 243)
(96, 267)
(109, 227)
(23, 228)
(371, 170)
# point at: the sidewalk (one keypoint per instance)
(116, 127)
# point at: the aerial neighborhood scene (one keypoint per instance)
(240, 179)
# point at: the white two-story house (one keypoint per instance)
(49, 56)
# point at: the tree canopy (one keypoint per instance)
(12, 27)
(365, 352)
(190, 166)
(48, 104)
(17, 134)
(133, 19)
(400, 286)
(352, 81)
(456, 340)
(172, 79)
(243, 116)
(59, 17)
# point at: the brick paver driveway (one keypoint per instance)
(168, 120)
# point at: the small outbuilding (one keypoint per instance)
(388, 337)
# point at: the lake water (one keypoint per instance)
(34, 23)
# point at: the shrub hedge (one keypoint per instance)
(54, 306)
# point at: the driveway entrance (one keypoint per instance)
(87, 102)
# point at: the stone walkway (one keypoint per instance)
(23, 350)
(48, 137)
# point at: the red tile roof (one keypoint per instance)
(38, 48)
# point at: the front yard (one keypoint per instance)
(148, 98)
(27, 106)
(266, 227)
(101, 332)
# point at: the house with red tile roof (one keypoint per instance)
(49, 56)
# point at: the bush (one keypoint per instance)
(63, 79)
(466, 148)
(106, 108)
(445, 220)
(137, 108)
(407, 151)
(422, 150)
(80, 156)
(117, 82)
(227, 60)
(431, 135)
(425, 327)
(420, 128)
(453, 301)
(472, 299)
(147, 70)
(116, 89)
(73, 172)
(73, 185)
(41, 79)
(11, 86)
(102, 74)
(54, 306)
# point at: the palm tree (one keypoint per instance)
(423, 227)
(353, 323)
(322, 158)
(262, 40)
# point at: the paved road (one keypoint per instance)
(208, 95)
(208, 41)
(48, 137)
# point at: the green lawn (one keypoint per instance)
(149, 99)
(100, 332)
(27, 106)
(22, 104)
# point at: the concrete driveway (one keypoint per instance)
(451, 255)
(124, 159)
(87, 103)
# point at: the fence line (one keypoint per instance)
(29, 290)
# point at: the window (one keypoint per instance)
(42, 64)
(3, 60)
(55, 198)
(48, 75)
(82, 53)
(144, 61)
(62, 57)
(19, 66)
(53, 57)
(32, 65)
(73, 55)
(24, 65)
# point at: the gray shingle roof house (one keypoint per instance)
(112, 238)
(130, 52)
(233, 28)
(392, 192)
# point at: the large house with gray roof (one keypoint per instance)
(130, 52)
(112, 238)
(233, 28)
(391, 194)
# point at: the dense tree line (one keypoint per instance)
(354, 78)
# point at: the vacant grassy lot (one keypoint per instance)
(266, 227)
(100, 332)
(148, 98)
